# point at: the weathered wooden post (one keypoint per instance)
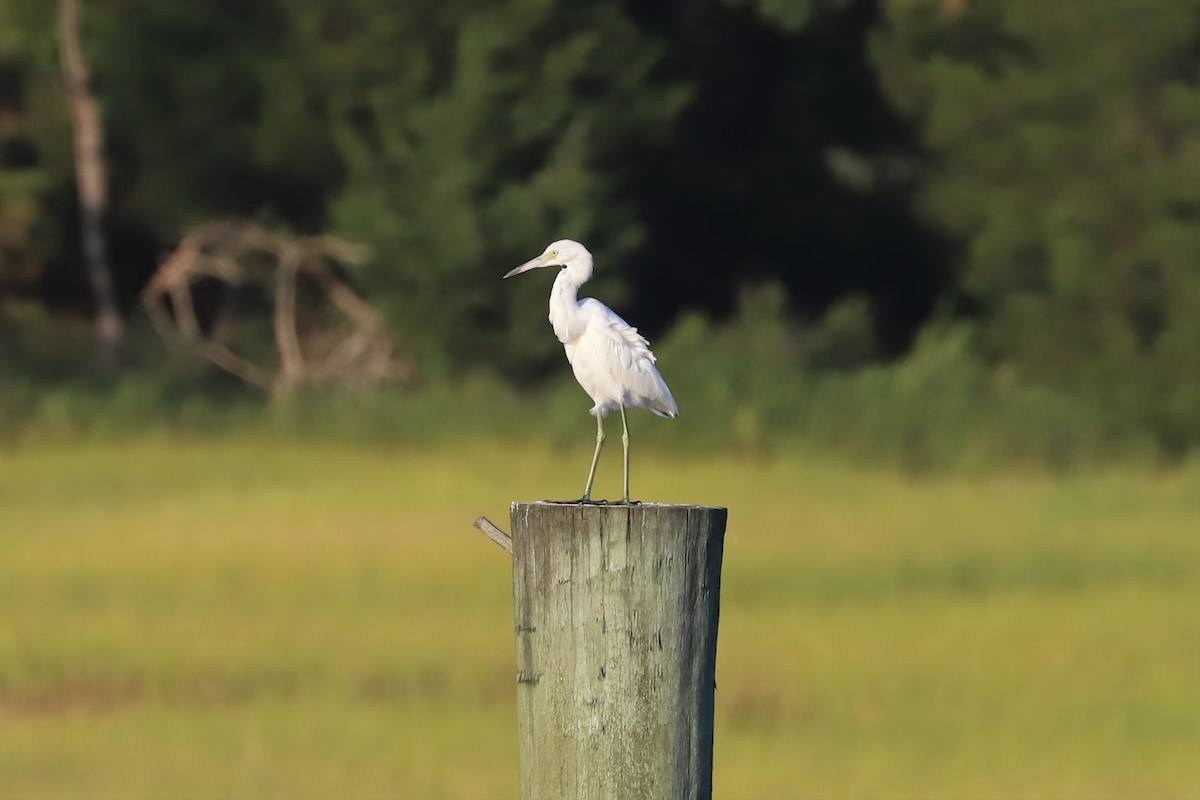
(616, 634)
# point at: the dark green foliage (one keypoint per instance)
(453, 138)
(760, 384)
(756, 386)
(788, 166)
(473, 139)
(203, 111)
(1066, 159)
(790, 15)
(26, 118)
(1049, 311)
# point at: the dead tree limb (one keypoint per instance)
(90, 178)
(291, 362)
(309, 351)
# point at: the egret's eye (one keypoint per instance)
(553, 252)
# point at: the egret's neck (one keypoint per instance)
(565, 317)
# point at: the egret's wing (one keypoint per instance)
(627, 358)
(628, 346)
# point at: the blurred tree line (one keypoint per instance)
(1019, 176)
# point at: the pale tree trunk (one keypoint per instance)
(90, 177)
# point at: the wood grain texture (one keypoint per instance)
(616, 639)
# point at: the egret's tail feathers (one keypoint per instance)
(665, 406)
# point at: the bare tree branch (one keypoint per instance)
(309, 350)
(90, 178)
(291, 362)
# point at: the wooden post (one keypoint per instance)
(616, 628)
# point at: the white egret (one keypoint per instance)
(611, 360)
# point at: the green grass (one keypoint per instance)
(241, 618)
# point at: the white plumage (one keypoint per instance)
(610, 359)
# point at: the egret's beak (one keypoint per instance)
(534, 263)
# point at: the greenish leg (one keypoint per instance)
(625, 441)
(587, 490)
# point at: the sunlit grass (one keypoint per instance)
(249, 618)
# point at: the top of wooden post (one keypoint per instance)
(577, 504)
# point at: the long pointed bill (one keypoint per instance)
(533, 263)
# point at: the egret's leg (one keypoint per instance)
(625, 441)
(587, 490)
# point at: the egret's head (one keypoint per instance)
(563, 253)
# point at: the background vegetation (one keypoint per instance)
(235, 617)
(976, 221)
(924, 276)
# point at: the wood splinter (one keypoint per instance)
(495, 534)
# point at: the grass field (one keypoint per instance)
(233, 618)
